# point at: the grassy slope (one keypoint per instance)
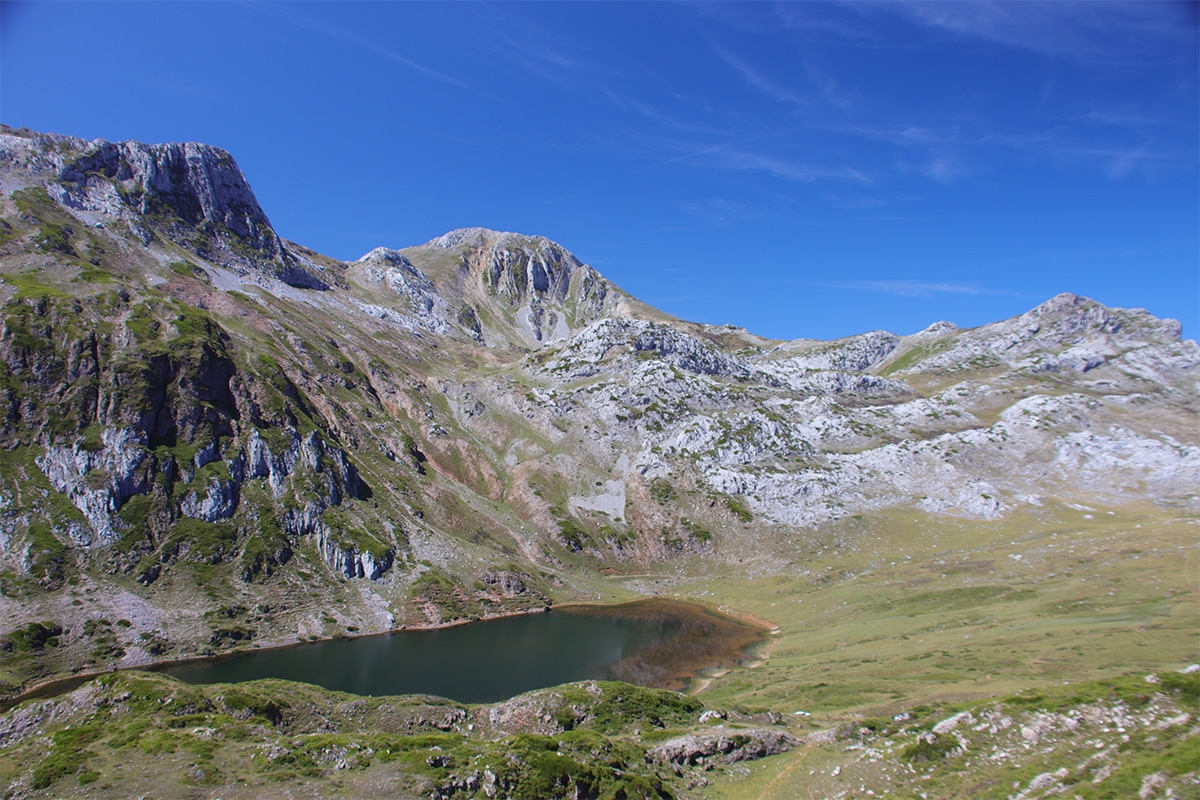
(942, 608)
(940, 613)
(1117, 738)
(139, 734)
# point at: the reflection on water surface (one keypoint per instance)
(650, 642)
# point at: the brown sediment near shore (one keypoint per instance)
(751, 618)
(660, 666)
(720, 611)
(51, 687)
(710, 639)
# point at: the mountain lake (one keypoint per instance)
(654, 642)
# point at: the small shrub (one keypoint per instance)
(924, 750)
(36, 636)
(67, 754)
(573, 535)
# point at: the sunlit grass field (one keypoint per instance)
(878, 616)
(882, 613)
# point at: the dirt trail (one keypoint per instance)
(798, 757)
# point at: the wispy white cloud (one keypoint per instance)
(362, 41)
(820, 86)
(943, 166)
(1113, 159)
(757, 79)
(540, 55)
(1109, 31)
(667, 121)
(721, 212)
(906, 288)
(897, 288)
(1114, 143)
(954, 142)
(946, 169)
(814, 21)
(854, 202)
(733, 157)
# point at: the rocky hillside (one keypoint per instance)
(184, 387)
(214, 438)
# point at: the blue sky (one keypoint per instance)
(799, 169)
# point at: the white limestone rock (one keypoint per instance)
(98, 482)
(219, 502)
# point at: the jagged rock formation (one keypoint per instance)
(510, 288)
(194, 182)
(723, 745)
(98, 482)
(192, 193)
(1067, 333)
(547, 288)
(853, 354)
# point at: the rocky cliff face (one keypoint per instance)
(193, 194)
(475, 424)
(198, 184)
(525, 289)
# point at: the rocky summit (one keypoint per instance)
(216, 439)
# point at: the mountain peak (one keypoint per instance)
(486, 237)
(461, 236)
(383, 254)
(193, 194)
(197, 183)
(538, 290)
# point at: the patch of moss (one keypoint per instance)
(29, 287)
(47, 556)
(573, 535)
(930, 748)
(68, 752)
(738, 508)
(915, 356)
(34, 201)
(187, 269)
(241, 705)
(621, 705)
(202, 541)
(35, 636)
(266, 547)
(439, 588)
(698, 532)
(136, 514)
(959, 598)
(92, 437)
(142, 324)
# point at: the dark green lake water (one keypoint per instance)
(656, 643)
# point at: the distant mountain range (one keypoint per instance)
(227, 438)
(192, 388)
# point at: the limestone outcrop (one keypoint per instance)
(192, 193)
(723, 745)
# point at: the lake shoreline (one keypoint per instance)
(693, 681)
(39, 689)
